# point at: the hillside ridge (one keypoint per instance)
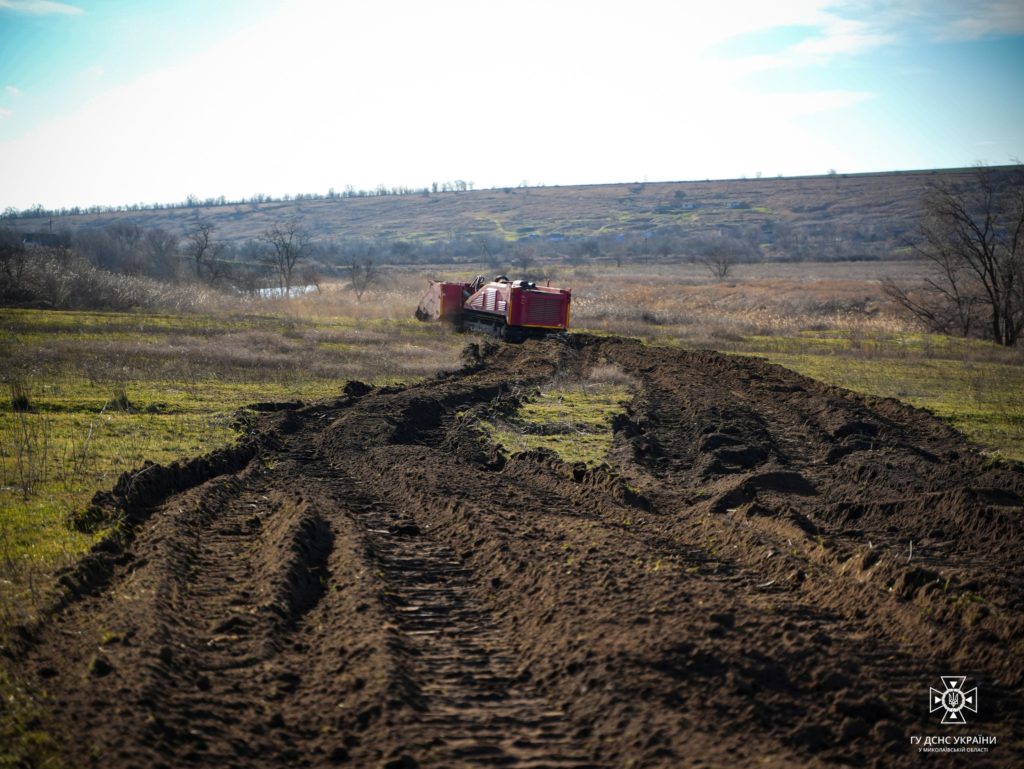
(875, 207)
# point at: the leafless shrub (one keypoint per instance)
(20, 394)
(76, 459)
(13, 261)
(719, 253)
(944, 306)
(63, 280)
(362, 276)
(28, 443)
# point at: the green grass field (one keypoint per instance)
(92, 395)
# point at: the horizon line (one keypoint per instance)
(12, 212)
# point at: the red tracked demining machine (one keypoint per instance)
(511, 309)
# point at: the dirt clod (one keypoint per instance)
(99, 666)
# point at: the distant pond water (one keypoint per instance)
(277, 291)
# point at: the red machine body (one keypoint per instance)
(512, 309)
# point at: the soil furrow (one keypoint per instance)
(471, 709)
(767, 571)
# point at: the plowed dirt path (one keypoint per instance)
(768, 572)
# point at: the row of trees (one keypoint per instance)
(273, 258)
(349, 191)
(286, 253)
(58, 276)
(123, 264)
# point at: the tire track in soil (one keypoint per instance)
(237, 606)
(470, 708)
(199, 639)
(850, 677)
(780, 478)
(381, 588)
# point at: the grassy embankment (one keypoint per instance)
(571, 417)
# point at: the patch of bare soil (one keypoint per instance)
(768, 572)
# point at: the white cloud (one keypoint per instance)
(985, 19)
(855, 27)
(433, 92)
(941, 20)
(5, 113)
(40, 7)
(812, 102)
(841, 37)
(12, 90)
(830, 36)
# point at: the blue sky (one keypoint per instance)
(110, 101)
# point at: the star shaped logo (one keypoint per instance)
(953, 699)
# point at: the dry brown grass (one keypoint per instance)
(679, 301)
(684, 303)
(394, 297)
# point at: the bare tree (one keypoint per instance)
(719, 261)
(12, 261)
(161, 251)
(972, 237)
(363, 274)
(718, 253)
(201, 248)
(124, 241)
(523, 257)
(288, 244)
